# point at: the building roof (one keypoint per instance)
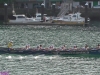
(36, 0)
(5, 1)
(85, 0)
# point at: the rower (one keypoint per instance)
(98, 46)
(10, 44)
(40, 47)
(27, 47)
(63, 47)
(86, 47)
(75, 47)
(51, 47)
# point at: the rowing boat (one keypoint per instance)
(49, 51)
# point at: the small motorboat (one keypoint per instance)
(71, 19)
(22, 19)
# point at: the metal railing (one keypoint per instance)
(64, 10)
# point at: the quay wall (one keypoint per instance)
(27, 12)
(93, 14)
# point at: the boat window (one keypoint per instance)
(39, 16)
(21, 17)
(74, 15)
(65, 17)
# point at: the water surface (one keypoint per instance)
(47, 36)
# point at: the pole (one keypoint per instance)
(72, 7)
(44, 3)
(53, 10)
(42, 11)
(13, 10)
(6, 13)
(86, 14)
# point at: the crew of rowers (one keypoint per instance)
(86, 47)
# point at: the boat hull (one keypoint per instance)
(94, 51)
(69, 22)
(48, 52)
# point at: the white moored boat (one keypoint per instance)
(24, 19)
(70, 19)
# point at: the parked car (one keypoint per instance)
(97, 6)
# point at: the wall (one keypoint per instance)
(30, 5)
(75, 4)
(90, 4)
(98, 2)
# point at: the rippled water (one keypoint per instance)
(49, 35)
(50, 64)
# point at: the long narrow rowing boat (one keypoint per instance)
(49, 51)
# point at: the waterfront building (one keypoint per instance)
(28, 6)
(91, 3)
(36, 3)
(62, 6)
(29, 3)
(5, 1)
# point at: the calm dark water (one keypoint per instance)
(47, 36)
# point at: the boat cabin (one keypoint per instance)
(38, 16)
(24, 19)
(20, 16)
(20, 19)
(72, 17)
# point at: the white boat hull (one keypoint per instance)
(69, 22)
(15, 21)
(71, 19)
